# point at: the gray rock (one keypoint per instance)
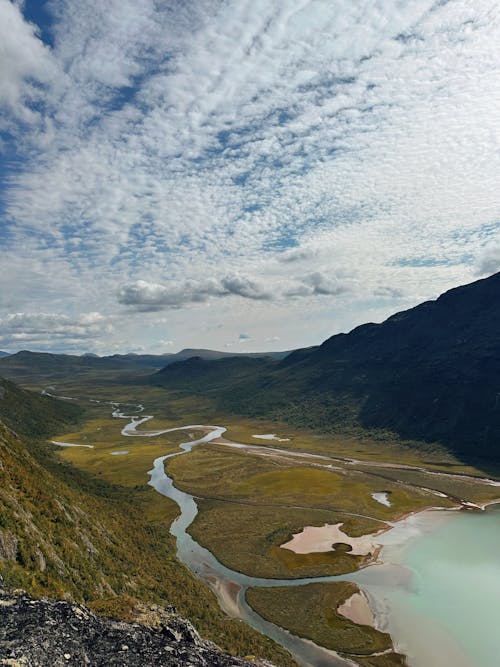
(8, 545)
(53, 633)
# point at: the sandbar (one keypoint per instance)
(357, 609)
(318, 539)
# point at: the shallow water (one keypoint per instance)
(439, 591)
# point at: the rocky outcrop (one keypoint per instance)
(8, 546)
(53, 633)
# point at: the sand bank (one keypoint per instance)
(314, 539)
(357, 609)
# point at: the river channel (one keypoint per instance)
(437, 590)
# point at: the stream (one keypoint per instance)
(392, 585)
(228, 585)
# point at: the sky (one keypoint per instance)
(242, 175)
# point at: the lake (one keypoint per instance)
(438, 592)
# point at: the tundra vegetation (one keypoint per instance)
(88, 526)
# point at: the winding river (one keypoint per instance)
(228, 585)
(402, 590)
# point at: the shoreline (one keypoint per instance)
(380, 583)
(232, 589)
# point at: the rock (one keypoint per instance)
(53, 633)
(8, 546)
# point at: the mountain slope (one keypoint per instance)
(33, 415)
(49, 633)
(67, 534)
(429, 373)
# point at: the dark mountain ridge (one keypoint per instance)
(430, 373)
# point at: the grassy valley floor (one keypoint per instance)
(250, 502)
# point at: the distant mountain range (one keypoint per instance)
(159, 360)
(28, 366)
(3, 354)
(429, 373)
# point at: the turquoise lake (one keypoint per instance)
(438, 592)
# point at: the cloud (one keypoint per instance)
(488, 261)
(244, 338)
(46, 330)
(241, 286)
(26, 63)
(153, 296)
(386, 292)
(266, 151)
(318, 284)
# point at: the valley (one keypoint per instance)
(254, 494)
(251, 498)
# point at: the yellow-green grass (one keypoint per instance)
(471, 490)
(176, 409)
(105, 437)
(436, 457)
(311, 611)
(246, 538)
(386, 660)
(218, 472)
(103, 544)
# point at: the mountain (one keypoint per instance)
(32, 415)
(3, 354)
(26, 366)
(161, 360)
(429, 373)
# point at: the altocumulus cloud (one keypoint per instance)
(26, 65)
(321, 147)
(489, 260)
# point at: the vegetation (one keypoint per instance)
(311, 611)
(428, 374)
(115, 548)
(225, 474)
(260, 531)
(34, 416)
(66, 533)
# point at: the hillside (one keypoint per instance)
(158, 361)
(27, 366)
(33, 415)
(429, 373)
(47, 633)
(67, 534)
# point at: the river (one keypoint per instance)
(437, 591)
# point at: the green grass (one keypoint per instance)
(217, 472)
(104, 435)
(246, 538)
(311, 611)
(97, 534)
(260, 500)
